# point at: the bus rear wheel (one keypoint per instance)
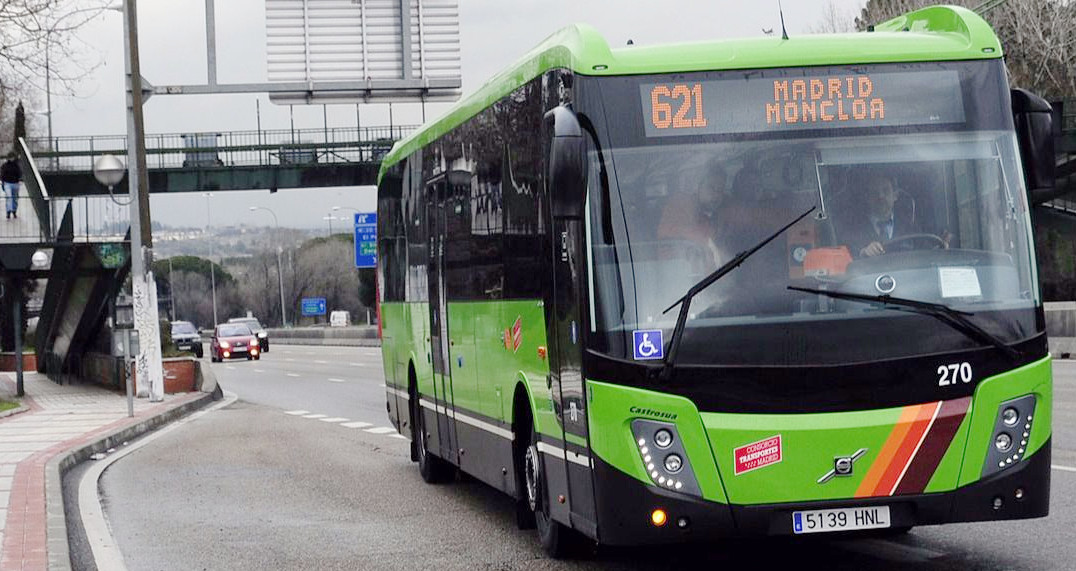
(558, 540)
(433, 470)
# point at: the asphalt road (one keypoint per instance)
(336, 381)
(253, 487)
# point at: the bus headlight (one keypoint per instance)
(1012, 430)
(662, 453)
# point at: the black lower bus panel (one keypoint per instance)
(625, 504)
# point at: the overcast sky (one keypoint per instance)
(494, 33)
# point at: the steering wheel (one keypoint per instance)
(931, 241)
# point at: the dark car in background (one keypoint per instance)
(233, 341)
(185, 337)
(256, 327)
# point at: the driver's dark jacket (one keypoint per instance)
(858, 232)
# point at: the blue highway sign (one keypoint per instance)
(313, 306)
(365, 239)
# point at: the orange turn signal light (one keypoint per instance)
(658, 517)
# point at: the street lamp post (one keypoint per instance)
(330, 218)
(212, 268)
(279, 271)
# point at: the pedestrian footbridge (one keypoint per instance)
(71, 251)
(216, 161)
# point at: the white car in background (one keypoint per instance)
(340, 319)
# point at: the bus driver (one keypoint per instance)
(876, 222)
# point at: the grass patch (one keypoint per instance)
(7, 405)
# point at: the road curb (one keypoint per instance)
(13, 411)
(59, 551)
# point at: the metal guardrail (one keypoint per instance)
(223, 149)
(94, 219)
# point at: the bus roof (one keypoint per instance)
(937, 33)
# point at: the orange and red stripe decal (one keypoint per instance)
(914, 448)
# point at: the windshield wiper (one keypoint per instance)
(681, 320)
(952, 317)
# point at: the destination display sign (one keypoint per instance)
(764, 104)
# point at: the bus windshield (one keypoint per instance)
(918, 193)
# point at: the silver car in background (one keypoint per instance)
(185, 337)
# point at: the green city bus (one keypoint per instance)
(624, 286)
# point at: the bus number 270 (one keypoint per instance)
(689, 100)
(950, 374)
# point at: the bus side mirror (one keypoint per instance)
(1033, 119)
(567, 163)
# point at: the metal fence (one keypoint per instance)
(93, 219)
(222, 149)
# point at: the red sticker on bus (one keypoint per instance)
(517, 333)
(757, 454)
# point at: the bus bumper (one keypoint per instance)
(624, 505)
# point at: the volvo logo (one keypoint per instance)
(842, 466)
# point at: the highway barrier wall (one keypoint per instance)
(1061, 328)
(364, 335)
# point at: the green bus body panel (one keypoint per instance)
(485, 382)
(1035, 378)
(809, 442)
(484, 372)
(610, 416)
(938, 33)
(405, 327)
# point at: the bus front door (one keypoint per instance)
(442, 433)
(566, 370)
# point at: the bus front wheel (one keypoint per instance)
(557, 540)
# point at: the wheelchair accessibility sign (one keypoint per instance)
(648, 344)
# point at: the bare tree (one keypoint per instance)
(834, 21)
(1036, 36)
(39, 49)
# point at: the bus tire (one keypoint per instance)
(558, 540)
(433, 470)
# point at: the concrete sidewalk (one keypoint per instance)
(60, 426)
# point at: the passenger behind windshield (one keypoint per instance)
(692, 216)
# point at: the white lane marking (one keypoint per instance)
(332, 380)
(322, 362)
(289, 359)
(315, 416)
(293, 375)
(297, 412)
(380, 430)
(357, 424)
(1063, 468)
(229, 367)
(259, 371)
(360, 364)
(401, 436)
(333, 419)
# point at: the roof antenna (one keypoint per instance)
(784, 33)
